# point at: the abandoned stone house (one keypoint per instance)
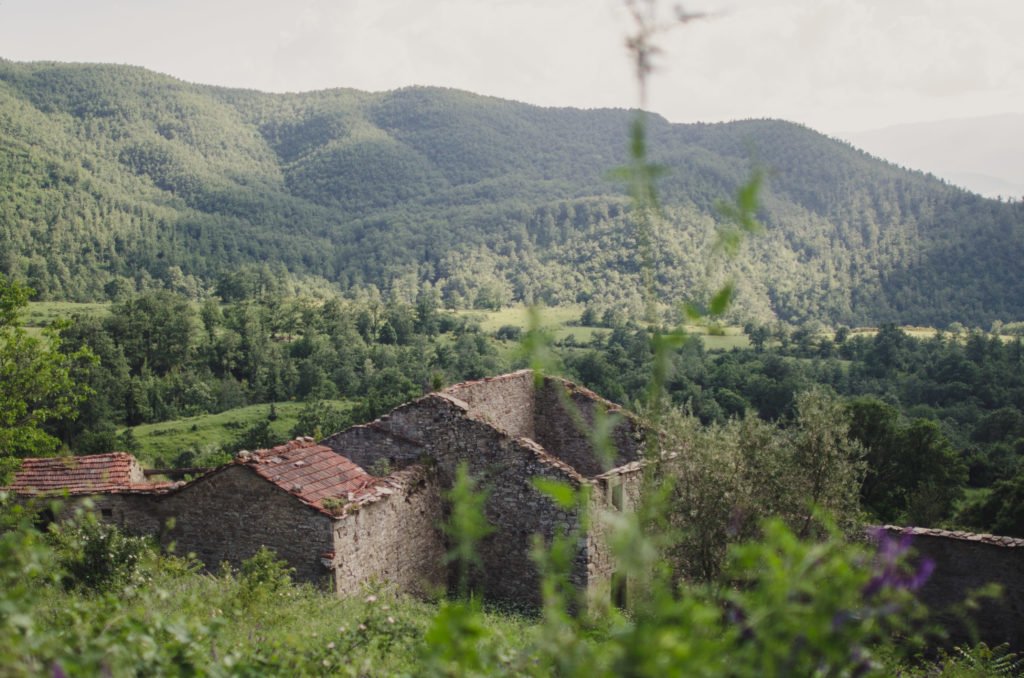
(320, 509)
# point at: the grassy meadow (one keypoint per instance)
(562, 323)
(163, 441)
(43, 313)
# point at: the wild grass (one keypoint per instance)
(165, 440)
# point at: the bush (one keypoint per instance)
(95, 555)
(262, 575)
(509, 333)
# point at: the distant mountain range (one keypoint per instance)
(980, 154)
(114, 177)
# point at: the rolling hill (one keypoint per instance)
(115, 178)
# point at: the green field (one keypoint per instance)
(42, 313)
(159, 444)
(560, 322)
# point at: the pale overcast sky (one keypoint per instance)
(836, 65)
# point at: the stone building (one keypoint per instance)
(115, 484)
(966, 562)
(337, 524)
(509, 431)
(328, 518)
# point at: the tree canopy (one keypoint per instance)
(36, 381)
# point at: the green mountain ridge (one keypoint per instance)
(115, 177)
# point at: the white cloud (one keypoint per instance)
(834, 64)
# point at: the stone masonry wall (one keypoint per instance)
(503, 466)
(964, 562)
(395, 540)
(139, 514)
(558, 432)
(229, 514)
(507, 401)
(619, 490)
(369, 444)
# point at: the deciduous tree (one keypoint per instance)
(36, 382)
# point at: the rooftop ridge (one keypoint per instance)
(508, 376)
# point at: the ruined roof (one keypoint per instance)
(400, 480)
(993, 539)
(310, 472)
(572, 387)
(113, 472)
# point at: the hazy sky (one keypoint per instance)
(836, 65)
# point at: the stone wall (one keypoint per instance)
(506, 402)
(229, 514)
(396, 540)
(964, 562)
(561, 434)
(503, 466)
(618, 490)
(370, 444)
(138, 514)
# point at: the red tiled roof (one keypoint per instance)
(114, 472)
(309, 471)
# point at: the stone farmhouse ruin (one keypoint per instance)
(320, 509)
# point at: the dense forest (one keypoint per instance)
(938, 419)
(116, 180)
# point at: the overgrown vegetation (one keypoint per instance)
(163, 616)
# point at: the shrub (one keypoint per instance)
(509, 333)
(265, 571)
(95, 555)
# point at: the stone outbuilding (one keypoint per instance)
(328, 518)
(115, 484)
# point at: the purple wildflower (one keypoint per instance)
(888, 572)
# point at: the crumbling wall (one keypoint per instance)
(504, 467)
(559, 432)
(507, 433)
(506, 401)
(396, 539)
(617, 491)
(965, 562)
(229, 514)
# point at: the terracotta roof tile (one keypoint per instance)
(309, 471)
(114, 472)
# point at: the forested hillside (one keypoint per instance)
(115, 179)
